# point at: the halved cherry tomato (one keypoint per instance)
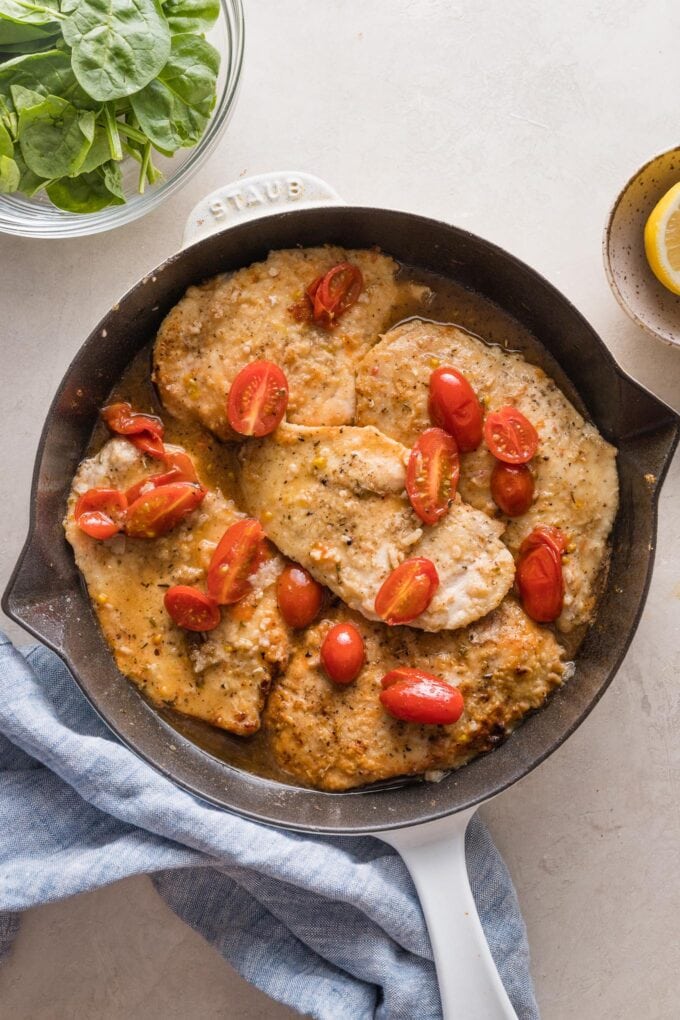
(298, 595)
(407, 591)
(257, 399)
(418, 697)
(510, 436)
(432, 474)
(181, 469)
(191, 609)
(99, 512)
(546, 534)
(239, 553)
(145, 431)
(343, 653)
(161, 509)
(454, 407)
(512, 488)
(335, 292)
(540, 583)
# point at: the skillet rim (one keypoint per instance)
(667, 419)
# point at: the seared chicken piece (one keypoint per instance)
(333, 499)
(222, 676)
(219, 327)
(574, 469)
(336, 738)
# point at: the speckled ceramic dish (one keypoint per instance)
(634, 285)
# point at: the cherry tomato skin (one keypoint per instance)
(239, 553)
(99, 512)
(510, 436)
(546, 534)
(432, 474)
(407, 591)
(257, 399)
(181, 469)
(343, 653)
(149, 443)
(158, 511)
(512, 488)
(540, 583)
(418, 697)
(334, 292)
(299, 596)
(191, 609)
(145, 431)
(454, 407)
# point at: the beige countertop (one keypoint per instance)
(519, 122)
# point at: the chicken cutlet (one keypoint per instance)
(576, 483)
(222, 676)
(334, 738)
(334, 500)
(222, 325)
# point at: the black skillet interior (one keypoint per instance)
(45, 594)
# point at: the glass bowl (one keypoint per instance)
(37, 217)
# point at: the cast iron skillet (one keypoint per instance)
(46, 596)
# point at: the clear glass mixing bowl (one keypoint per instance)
(37, 217)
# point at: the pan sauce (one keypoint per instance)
(450, 303)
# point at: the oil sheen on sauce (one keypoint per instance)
(449, 303)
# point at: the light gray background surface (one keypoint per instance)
(520, 122)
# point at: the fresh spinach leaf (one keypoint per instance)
(30, 12)
(9, 175)
(55, 137)
(6, 143)
(191, 15)
(118, 46)
(99, 152)
(87, 193)
(29, 183)
(23, 97)
(174, 109)
(49, 73)
(12, 34)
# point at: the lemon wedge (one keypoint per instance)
(662, 240)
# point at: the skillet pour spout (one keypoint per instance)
(46, 596)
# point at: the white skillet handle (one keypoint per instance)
(469, 984)
(257, 196)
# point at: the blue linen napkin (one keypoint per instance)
(331, 927)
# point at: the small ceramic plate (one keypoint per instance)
(634, 285)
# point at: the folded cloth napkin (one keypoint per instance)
(331, 927)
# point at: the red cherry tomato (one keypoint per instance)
(454, 407)
(239, 553)
(418, 697)
(540, 583)
(510, 436)
(512, 488)
(145, 431)
(546, 534)
(407, 591)
(298, 595)
(343, 653)
(432, 474)
(332, 294)
(181, 469)
(157, 512)
(191, 609)
(99, 512)
(257, 399)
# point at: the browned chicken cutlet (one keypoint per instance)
(575, 469)
(222, 325)
(335, 738)
(221, 677)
